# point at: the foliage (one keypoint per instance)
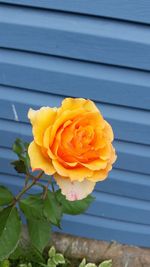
(107, 263)
(73, 207)
(41, 211)
(21, 165)
(54, 259)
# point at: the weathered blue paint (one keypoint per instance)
(74, 36)
(134, 10)
(46, 55)
(109, 84)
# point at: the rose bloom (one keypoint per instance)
(74, 144)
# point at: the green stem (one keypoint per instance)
(33, 178)
(46, 189)
(26, 180)
(53, 188)
(41, 185)
(27, 187)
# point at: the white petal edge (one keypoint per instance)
(74, 190)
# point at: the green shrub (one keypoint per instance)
(54, 260)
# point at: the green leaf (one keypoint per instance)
(107, 263)
(17, 147)
(50, 263)
(38, 226)
(19, 166)
(21, 149)
(26, 145)
(83, 263)
(52, 252)
(91, 265)
(52, 209)
(39, 232)
(74, 207)
(10, 230)
(27, 252)
(5, 263)
(27, 161)
(32, 206)
(58, 259)
(6, 196)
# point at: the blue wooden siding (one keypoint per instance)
(75, 36)
(138, 11)
(99, 50)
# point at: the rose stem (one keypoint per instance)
(26, 188)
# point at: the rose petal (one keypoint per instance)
(113, 156)
(77, 173)
(62, 117)
(38, 161)
(76, 103)
(46, 143)
(105, 152)
(96, 164)
(99, 175)
(74, 190)
(108, 131)
(41, 119)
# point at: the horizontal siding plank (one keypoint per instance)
(16, 183)
(120, 208)
(9, 131)
(133, 128)
(127, 10)
(13, 182)
(74, 36)
(6, 157)
(133, 157)
(125, 183)
(105, 229)
(69, 77)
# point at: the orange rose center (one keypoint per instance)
(83, 136)
(76, 142)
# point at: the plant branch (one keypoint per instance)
(27, 187)
(27, 180)
(53, 188)
(46, 189)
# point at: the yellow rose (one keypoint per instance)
(73, 143)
